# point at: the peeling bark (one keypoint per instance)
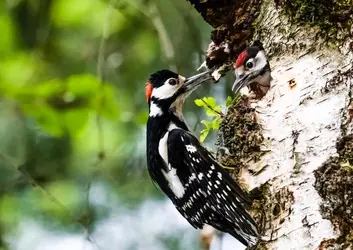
(298, 173)
(232, 22)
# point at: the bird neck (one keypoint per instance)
(157, 126)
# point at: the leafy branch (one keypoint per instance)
(213, 110)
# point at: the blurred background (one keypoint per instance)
(72, 121)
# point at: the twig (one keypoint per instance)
(51, 197)
(166, 42)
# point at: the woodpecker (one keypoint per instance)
(200, 189)
(252, 69)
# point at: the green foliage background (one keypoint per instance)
(72, 106)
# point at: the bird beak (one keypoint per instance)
(240, 82)
(194, 81)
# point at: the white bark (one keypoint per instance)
(317, 118)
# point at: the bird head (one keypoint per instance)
(165, 87)
(252, 66)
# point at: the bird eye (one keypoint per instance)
(249, 65)
(172, 81)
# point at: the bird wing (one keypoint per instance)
(209, 192)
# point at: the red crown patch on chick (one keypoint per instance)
(241, 58)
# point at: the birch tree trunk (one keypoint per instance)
(294, 147)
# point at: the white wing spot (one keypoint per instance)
(228, 188)
(191, 148)
(174, 182)
(192, 177)
(212, 167)
(217, 181)
(225, 192)
(200, 176)
(219, 175)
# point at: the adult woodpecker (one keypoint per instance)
(201, 190)
(253, 69)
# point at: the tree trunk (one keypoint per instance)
(293, 148)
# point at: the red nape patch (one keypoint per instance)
(148, 89)
(241, 58)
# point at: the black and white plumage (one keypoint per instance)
(252, 66)
(201, 190)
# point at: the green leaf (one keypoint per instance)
(207, 124)
(8, 33)
(229, 101)
(9, 211)
(216, 123)
(204, 134)
(47, 89)
(199, 102)
(46, 117)
(83, 85)
(210, 101)
(75, 120)
(212, 110)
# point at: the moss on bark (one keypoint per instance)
(334, 183)
(333, 17)
(241, 135)
(270, 209)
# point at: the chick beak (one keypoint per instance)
(239, 83)
(194, 81)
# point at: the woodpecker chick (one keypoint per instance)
(253, 69)
(200, 189)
